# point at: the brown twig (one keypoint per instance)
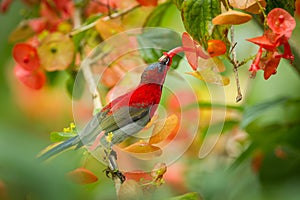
(235, 65)
(80, 29)
(88, 76)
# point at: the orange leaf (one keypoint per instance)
(231, 17)
(151, 122)
(108, 28)
(82, 176)
(252, 6)
(216, 47)
(163, 128)
(210, 76)
(143, 150)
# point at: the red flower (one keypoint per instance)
(27, 69)
(32, 79)
(26, 56)
(281, 25)
(281, 22)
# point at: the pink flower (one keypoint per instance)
(281, 25)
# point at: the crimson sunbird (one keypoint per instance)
(124, 116)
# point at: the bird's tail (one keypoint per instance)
(74, 141)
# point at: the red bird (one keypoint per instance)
(122, 117)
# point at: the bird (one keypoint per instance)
(121, 118)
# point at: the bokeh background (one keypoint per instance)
(269, 167)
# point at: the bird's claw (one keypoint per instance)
(114, 173)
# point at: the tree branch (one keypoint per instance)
(79, 29)
(88, 76)
(235, 66)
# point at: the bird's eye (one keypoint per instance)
(166, 60)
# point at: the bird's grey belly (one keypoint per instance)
(121, 134)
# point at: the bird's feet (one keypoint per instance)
(114, 174)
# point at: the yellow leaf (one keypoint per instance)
(231, 17)
(21, 32)
(252, 6)
(152, 121)
(56, 52)
(215, 62)
(209, 76)
(82, 176)
(163, 128)
(108, 28)
(143, 150)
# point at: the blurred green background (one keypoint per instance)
(25, 126)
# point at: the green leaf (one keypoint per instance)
(223, 126)
(53, 77)
(212, 106)
(287, 168)
(243, 156)
(61, 136)
(156, 16)
(288, 5)
(296, 53)
(197, 18)
(88, 35)
(153, 42)
(187, 196)
(178, 3)
(253, 112)
(75, 90)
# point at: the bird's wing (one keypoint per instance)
(112, 121)
(123, 116)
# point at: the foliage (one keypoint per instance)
(256, 142)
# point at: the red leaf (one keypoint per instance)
(3, 191)
(26, 56)
(192, 50)
(257, 161)
(281, 22)
(148, 2)
(32, 79)
(138, 176)
(82, 176)
(216, 47)
(4, 5)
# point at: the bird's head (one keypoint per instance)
(156, 72)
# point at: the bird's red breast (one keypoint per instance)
(143, 96)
